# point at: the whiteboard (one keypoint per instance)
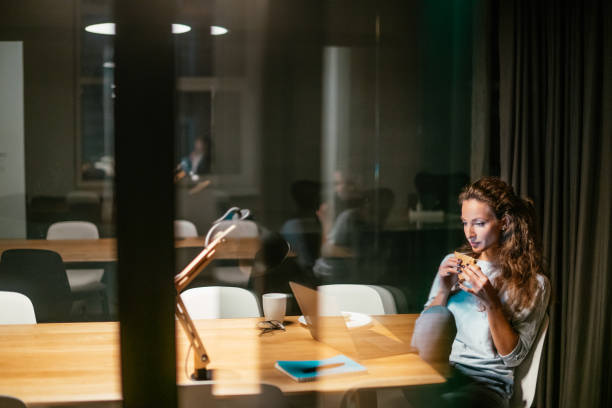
(12, 156)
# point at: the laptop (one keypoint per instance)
(329, 328)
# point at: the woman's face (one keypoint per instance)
(481, 228)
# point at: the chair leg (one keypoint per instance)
(360, 399)
(105, 307)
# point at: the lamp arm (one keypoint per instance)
(200, 357)
(181, 280)
(193, 269)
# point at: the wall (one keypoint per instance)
(47, 30)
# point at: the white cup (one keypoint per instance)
(274, 306)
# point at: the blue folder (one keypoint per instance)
(308, 370)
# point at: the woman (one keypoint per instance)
(499, 302)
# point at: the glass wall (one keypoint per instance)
(57, 218)
(332, 136)
(341, 128)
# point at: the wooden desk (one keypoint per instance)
(105, 249)
(79, 362)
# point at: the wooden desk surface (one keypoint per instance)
(79, 362)
(105, 249)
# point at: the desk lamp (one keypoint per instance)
(181, 280)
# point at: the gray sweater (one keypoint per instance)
(473, 351)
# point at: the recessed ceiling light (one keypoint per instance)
(102, 28)
(109, 64)
(218, 30)
(109, 28)
(180, 28)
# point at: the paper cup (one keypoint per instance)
(274, 306)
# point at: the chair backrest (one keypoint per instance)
(40, 275)
(202, 395)
(16, 308)
(73, 230)
(388, 297)
(242, 229)
(526, 374)
(84, 205)
(184, 229)
(82, 197)
(213, 302)
(355, 298)
(11, 402)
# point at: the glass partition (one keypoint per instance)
(328, 140)
(341, 129)
(57, 213)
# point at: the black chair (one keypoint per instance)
(201, 395)
(40, 275)
(11, 402)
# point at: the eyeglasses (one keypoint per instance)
(270, 325)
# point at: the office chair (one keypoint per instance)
(218, 302)
(526, 374)
(16, 308)
(184, 229)
(360, 298)
(84, 205)
(201, 395)
(83, 283)
(233, 272)
(40, 275)
(11, 402)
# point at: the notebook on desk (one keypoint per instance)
(309, 370)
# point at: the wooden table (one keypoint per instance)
(105, 249)
(79, 362)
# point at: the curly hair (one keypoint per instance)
(519, 256)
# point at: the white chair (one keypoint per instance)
(7, 401)
(234, 275)
(526, 375)
(368, 299)
(202, 395)
(81, 281)
(184, 229)
(72, 230)
(214, 302)
(16, 308)
(388, 295)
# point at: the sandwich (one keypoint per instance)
(464, 260)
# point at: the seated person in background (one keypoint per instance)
(497, 304)
(347, 195)
(273, 269)
(347, 191)
(350, 238)
(198, 161)
(303, 230)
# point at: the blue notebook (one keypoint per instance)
(308, 370)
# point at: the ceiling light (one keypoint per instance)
(109, 28)
(180, 28)
(102, 28)
(218, 30)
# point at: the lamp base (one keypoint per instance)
(202, 374)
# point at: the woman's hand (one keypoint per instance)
(481, 287)
(448, 272)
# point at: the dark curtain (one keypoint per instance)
(555, 134)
